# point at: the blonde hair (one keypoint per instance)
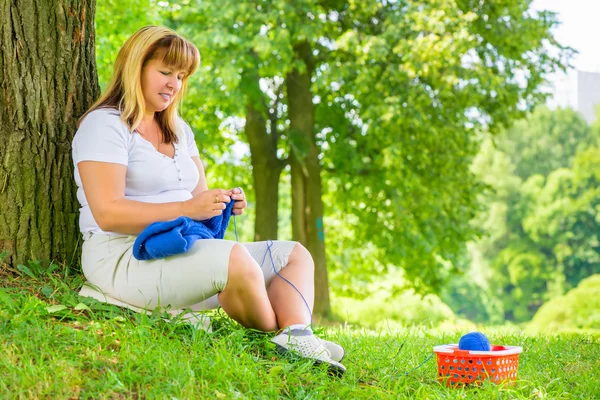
(124, 91)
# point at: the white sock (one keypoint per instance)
(300, 329)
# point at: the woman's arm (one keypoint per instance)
(104, 187)
(202, 186)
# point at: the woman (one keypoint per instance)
(136, 162)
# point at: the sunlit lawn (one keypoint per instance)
(106, 352)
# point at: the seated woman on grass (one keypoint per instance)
(136, 163)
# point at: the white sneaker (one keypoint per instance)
(308, 346)
(336, 351)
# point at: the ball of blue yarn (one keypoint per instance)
(476, 341)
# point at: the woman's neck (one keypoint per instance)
(148, 118)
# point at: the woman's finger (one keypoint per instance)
(222, 198)
(240, 205)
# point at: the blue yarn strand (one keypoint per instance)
(235, 229)
(419, 366)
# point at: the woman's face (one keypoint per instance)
(160, 84)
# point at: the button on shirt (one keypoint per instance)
(152, 177)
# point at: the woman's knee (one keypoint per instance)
(242, 265)
(302, 256)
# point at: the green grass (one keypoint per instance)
(90, 350)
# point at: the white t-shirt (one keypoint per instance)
(151, 176)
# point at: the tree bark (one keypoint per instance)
(47, 81)
(307, 204)
(266, 166)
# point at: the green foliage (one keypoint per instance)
(563, 220)
(395, 100)
(545, 141)
(407, 309)
(401, 103)
(541, 236)
(525, 281)
(469, 300)
(385, 305)
(470, 295)
(578, 309)
(116, 20)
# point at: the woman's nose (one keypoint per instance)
(172, 82)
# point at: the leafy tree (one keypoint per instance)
(546, 141)
(578, 309)
(259, 71)
(47, 81)
(523, 285)
(540, 233)
(474, 292)
(564, 221)
(387, 96)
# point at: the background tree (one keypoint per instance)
(47, 80)
(254, 63)
(540, 232)
(564, 220)
(414, 85)
(545, 141)
(578, 309)
(388, 97)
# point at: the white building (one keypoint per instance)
(579, 90)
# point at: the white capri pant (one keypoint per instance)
(188, 280)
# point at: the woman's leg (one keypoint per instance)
(285, 264)
(245, 296)
(294, 263)
(287, 303)
(175, 283)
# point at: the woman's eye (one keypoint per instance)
(166, 73)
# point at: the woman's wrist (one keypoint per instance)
(184, 208)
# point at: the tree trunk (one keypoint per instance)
(47, 81)
(266, 166)
(307, 204)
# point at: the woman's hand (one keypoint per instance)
(207, 204)
(238, 195)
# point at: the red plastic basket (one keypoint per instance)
(461, 367)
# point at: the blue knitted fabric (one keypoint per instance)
(164, 239)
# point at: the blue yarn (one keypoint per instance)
(475, 341)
